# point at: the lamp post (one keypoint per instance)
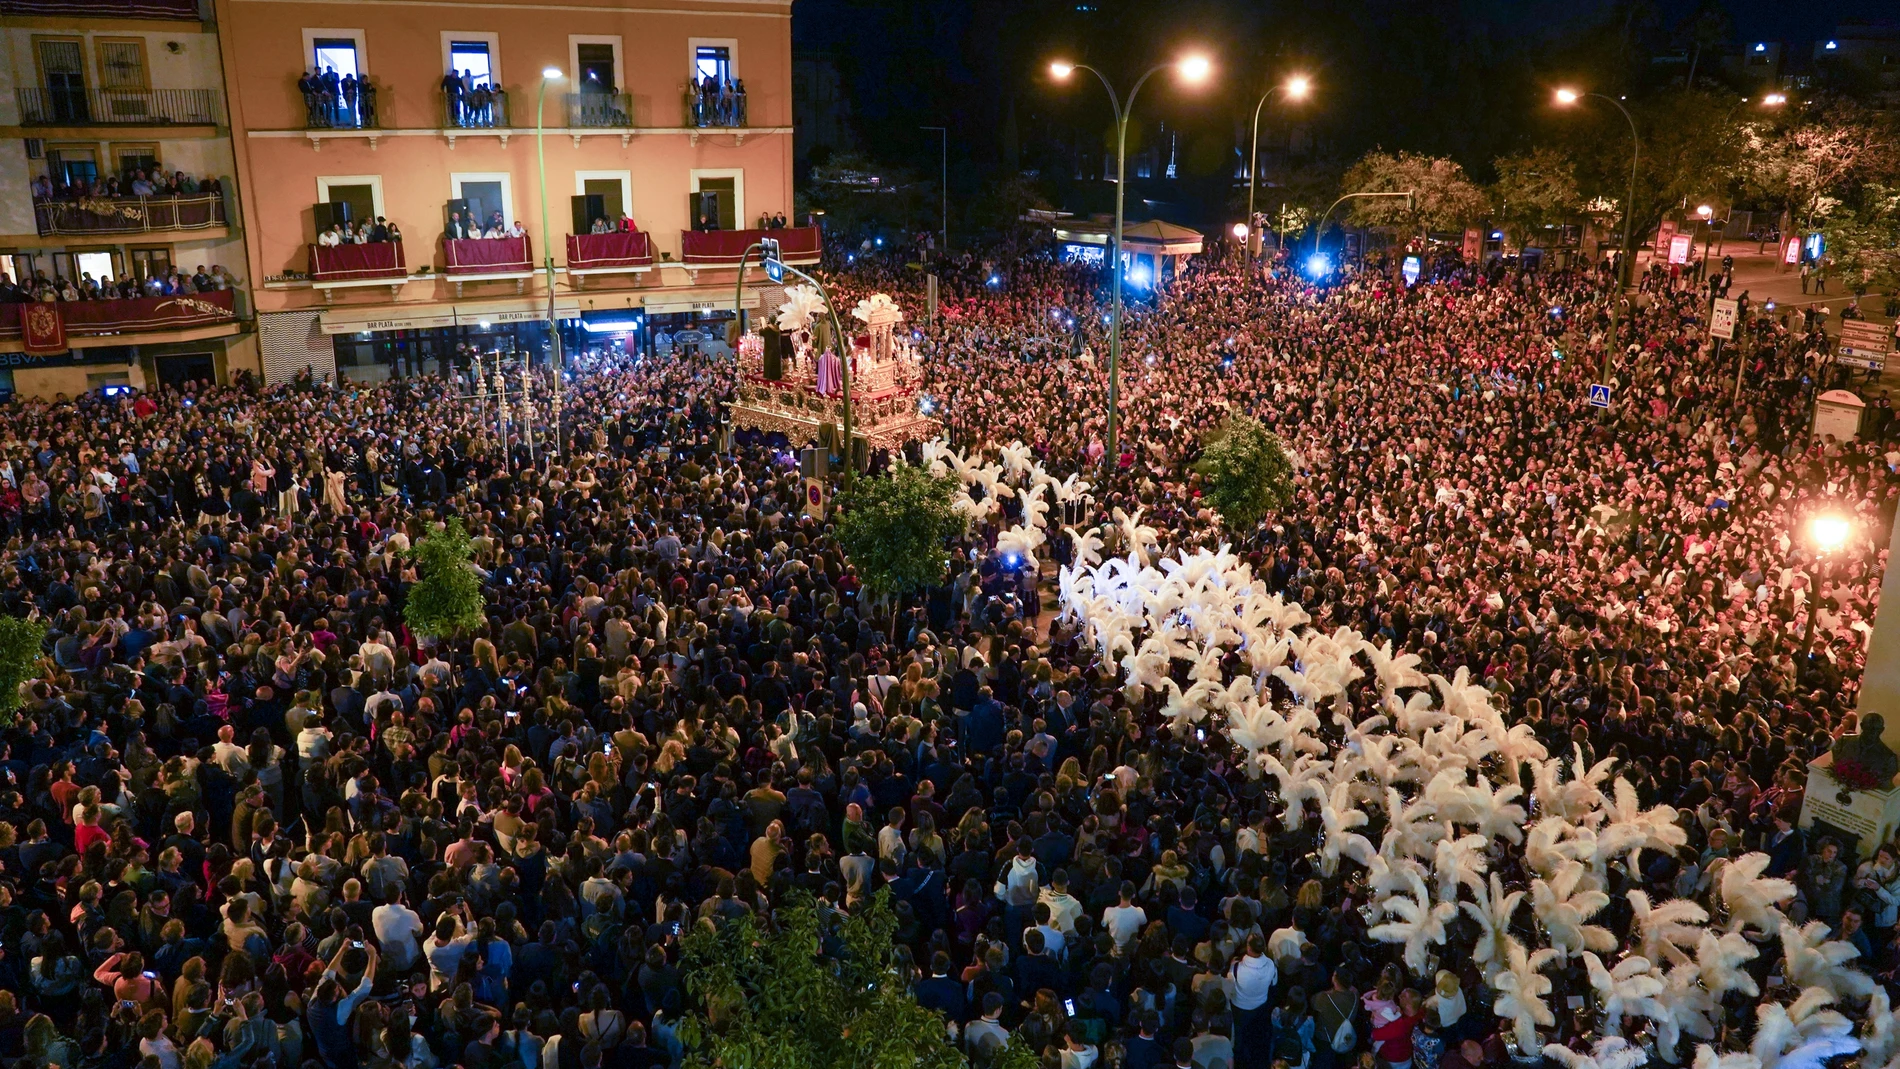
(548, 74)
(1295, 88)
(1193, 69)
(1319, 227)
(1829, 532)
(1565, 98)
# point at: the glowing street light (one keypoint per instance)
(1240, 231)
(1567, 97)
(1774, 100)
(1296, 88)
(548, 74)
(1192, 69)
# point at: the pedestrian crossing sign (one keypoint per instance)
(1599, 395)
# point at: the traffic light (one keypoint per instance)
(774, 267)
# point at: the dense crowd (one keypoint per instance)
(135, 182)
(170, 281)
(249, 818)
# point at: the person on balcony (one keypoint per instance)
(458, 230)
(627, 225)
(346, 90)
(42, 188)
(452, 94)
(517, 230)
(601, 226)
(331, 237)
(379, 230)
(332, 89)
(395, 233)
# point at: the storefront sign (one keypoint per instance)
(1722, 318)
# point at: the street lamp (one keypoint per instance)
(1566, 98)
(1828, 532)
(1295, 88)
(548, 74)
(1191, 69)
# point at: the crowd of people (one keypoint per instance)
(249, 818)
(135, 182)
(365, 232)
(169, 282)
(717, 101)
(473, 101)
(330, 101)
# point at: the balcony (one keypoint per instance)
(724, 248)
(136, 315)
(128, 215)
(599, 110)
(104, 9)
(708, 109)
(118, 107)
(619, 252)
(483, 109)
(356, 106)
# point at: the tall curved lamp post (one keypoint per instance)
(1193, 69)
(1566, 98)
(1297, 87)
(549, 74)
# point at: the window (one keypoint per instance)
(63, 74)
(595, 62)
(23, 266)
(614, 188)
(340, 50)
(363, 193)
(150, 260)
(718, 193)
(486, 194)
(712, 61)
(477, 54)
(129, 158)
(75, 266)
(122, 63)
(71, 164)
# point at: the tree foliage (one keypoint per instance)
(859, 195)
(1863, 239)
(20, 642)
(1808, 164)
(812, 991)
(447, 597)
(1247, 473)
(1445, 199)
(894, 530)
(1534, 190)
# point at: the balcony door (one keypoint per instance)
(337, 54)
(63, 73)
(594, 68)
(73, 164)
(608, 190)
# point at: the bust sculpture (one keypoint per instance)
(1866, 750)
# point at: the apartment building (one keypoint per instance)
(105, 105)
(665, 122)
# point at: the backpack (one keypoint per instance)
(1345, 1038)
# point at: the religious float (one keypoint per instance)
(795, 386)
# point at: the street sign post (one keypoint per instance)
(1722, 318)
(1864, 345)
(774, 267)
(1599, 395)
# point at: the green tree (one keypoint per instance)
(447, 598)
(859, 195)
(1534, 190)
(765, 998)
(895, 530)
(1810, 164)
(1246, 472)
(1863, 239)
(1445, 199)
(20, 642)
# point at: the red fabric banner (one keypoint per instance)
(593, 252)
(722, 248)
(348, 263)
(87, 318)
(42, 329)
(484, 256)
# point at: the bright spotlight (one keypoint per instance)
(1240, 231)
(1567, 96)
(1828, 531)
(1318, 266)
(1298, 86)
(1059, 69)
(551, 73)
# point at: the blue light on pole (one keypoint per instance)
(1318, 266)
(1410, 270)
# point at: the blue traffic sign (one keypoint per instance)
(1599, 395)
(775, 270)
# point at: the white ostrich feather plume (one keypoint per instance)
(1610, 1052)
(803, 303)
(1813, 961)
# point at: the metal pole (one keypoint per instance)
(1629, 219)
(738, 295)
(1320, 227)
(547, 237)
(1253, 164)
(844, 362)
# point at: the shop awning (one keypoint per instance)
(459, 313)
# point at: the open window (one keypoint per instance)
(595, 62)
(72, 164)
(340, 50)
(717, 196)
(488, 195)
(476, 55)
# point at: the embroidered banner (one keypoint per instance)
(42, 328)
